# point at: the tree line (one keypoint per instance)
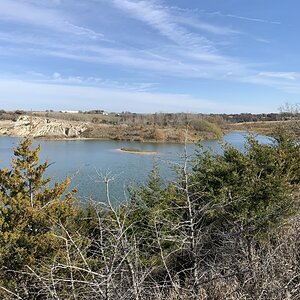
(159, 119)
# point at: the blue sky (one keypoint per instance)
(152, 55)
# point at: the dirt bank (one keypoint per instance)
(42, 127)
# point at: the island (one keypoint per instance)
(137, 151)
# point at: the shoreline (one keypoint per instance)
(101, 139)
(71, 139)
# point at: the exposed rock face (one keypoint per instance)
(43, 127)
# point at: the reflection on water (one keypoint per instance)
(87, 160)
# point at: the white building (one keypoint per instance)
(70, 111)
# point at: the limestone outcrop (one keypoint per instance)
(42, 127)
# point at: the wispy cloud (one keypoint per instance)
(174, 61)
(190, 47)
(160, 19)
(58, 78)
(184, 53)
(194, 18)
(281, 75)
(262, 40)
(285, 81)
(217, 13)
(24, 12)
(207, 27)
(46, 3)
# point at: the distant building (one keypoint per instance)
(70, 111)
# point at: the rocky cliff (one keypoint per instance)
(42, 127)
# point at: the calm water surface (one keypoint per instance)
(87, 159)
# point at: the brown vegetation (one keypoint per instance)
(130, 127)
(158, 127)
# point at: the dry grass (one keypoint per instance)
(266, 127)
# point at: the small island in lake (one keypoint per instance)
(137, 151)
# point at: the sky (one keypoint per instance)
(201, 56)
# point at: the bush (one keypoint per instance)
(206, 126)
(30, 214)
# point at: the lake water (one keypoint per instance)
(87, 160)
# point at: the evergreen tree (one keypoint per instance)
(31, 212)
(252, 191)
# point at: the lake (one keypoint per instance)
(87, 160)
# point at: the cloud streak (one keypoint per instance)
(58, 78)
(285, 81)
(281, 75)
(184, 53)
(20, 12)
(159, 18)
(246, 18)
(207, 27)
(188, 46)
(177, 61)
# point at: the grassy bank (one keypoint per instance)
(266, 127)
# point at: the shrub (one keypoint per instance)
(30, 214)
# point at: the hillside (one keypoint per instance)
(63, 128)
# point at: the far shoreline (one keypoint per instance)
(80, 138)
(58, 138)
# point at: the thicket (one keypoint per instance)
(227, 228)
